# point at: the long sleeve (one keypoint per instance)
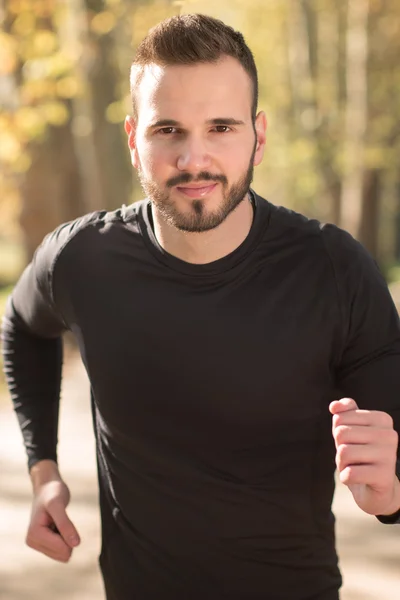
(368, 368)
(32, 366)
(32, 348)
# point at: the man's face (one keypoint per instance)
(194, 143)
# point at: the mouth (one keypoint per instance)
(196, 190)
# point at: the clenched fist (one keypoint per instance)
(366, 452)
(50, 530)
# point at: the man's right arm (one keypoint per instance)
(32, 327)
(32, 354)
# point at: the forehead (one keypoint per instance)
(200, 91)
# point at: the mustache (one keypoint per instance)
(202, 176)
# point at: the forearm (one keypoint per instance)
(32, 367)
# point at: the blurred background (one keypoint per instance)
(329, 73)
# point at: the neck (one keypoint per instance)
(207, 246)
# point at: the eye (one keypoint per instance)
(167, 130)
(222, 128)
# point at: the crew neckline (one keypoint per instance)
(260, 222)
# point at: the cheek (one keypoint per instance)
(234, 159)
(154, 162)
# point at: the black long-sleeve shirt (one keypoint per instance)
(210, 393)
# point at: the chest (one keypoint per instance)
(244, 353)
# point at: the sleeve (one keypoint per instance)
(32, 348)
(368, 367)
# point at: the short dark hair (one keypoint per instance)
(189, 40)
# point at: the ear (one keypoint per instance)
(261, 136)
(130, 128)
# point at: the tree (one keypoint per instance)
(50, 184)
(355, 115)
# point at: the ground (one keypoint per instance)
(369, 551)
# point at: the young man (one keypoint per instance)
(220, 334)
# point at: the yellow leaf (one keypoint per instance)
(22, 164)
(55, 113)
(103, 22)
(8, 54)
(375, 157)
(24, 24)
(68, 87)
(29, 122)
(36, 90)
(14, 7)
(115, 112)
(59, 64)
(45, 42)
(4, 122)
(44, 8)
(9, 147)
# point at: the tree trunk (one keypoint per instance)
(330, 98)
(397, 197)
(51, 191)
(73, 35)
(306, 46)
(114, 168)
(300, 69)
(368, 232)
(356, 115)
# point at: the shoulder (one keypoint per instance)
(92, 223)
(311, 242)
(78, 247)
(349, 258)
(56, 241)
(87, 233)
(286, 225)
(335, 243)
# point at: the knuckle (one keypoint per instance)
(388, 420)
(341, 434)
(337, 420)
(65, 556)
(348, 472)
(342, 452)
(63, 559)
(385, 419)
(31, 538)
(388, 437)
(345, 476)
(395, 436)
(351, 475)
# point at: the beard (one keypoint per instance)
(198, 219)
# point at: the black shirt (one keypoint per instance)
(210, 393)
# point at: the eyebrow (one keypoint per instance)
(217, 121)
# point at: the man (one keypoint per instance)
(218, 332)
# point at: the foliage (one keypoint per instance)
(52, 51)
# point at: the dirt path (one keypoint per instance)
(369, 551)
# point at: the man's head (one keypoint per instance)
(195, 136)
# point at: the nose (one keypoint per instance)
(193, 155)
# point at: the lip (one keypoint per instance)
(197, 191)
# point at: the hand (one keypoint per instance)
(50, 530)
(366, 446)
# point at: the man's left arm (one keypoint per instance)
(366, 417)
